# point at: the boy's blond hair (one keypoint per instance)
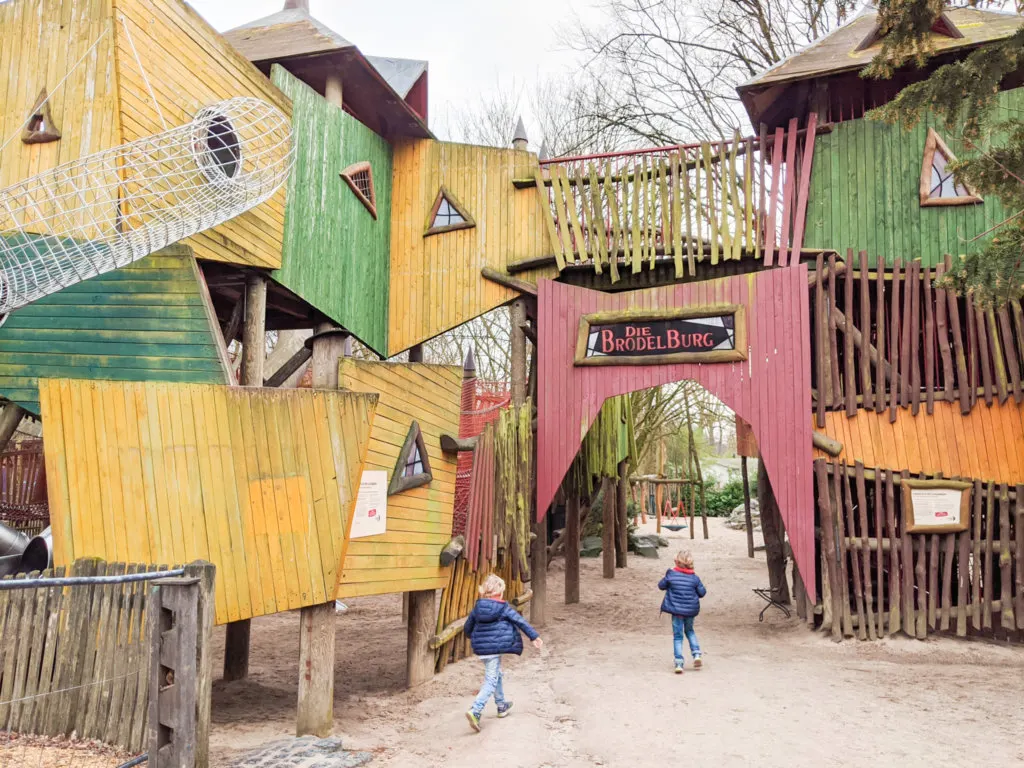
(685, 559)
(493, 585)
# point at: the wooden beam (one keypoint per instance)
(453, 550)
(451, 445)
(448, 633)
(234, 324)
(827, 444)
(315, 711)
(621, 520)
(290, 366)
(858, 341)
(505, 279)
(746, 506)
(10, 418)
(608, 528)
(254, 353)
(572, 549)
(419, 657)
(699, 249)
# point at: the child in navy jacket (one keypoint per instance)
(683, 591)
(493, 628)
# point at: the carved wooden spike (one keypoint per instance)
(41, 129)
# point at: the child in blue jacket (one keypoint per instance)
(683, 591)
(493, 629)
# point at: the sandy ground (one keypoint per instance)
(603, 693)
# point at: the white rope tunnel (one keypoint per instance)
(112, 208)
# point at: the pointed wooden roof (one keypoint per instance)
(854, 44)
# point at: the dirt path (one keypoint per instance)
(603, 692)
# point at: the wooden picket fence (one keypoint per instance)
(886, 338)
(878, 579)
(75, 659)
(723, 200)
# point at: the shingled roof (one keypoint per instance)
(282, 35)
(842, 49)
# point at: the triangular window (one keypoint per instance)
(447, 214)
(359, 178)
(40, 128)
(413, 466)
(939, 186)
(943, 26)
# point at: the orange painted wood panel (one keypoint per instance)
(260, 482)
(987, 444)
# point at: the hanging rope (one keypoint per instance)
(142, 71)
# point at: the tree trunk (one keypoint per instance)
(621, 519)
(608, 528)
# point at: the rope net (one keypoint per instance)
(482, 402)
(112, 208)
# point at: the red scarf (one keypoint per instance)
(683, 570)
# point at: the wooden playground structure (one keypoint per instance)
(885, 411)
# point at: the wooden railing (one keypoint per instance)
(725, 200)
(23, 487)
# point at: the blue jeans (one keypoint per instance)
(684, 625)
(491, 686)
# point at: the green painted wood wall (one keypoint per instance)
(336, 256)
(145, 322)
(864, 193)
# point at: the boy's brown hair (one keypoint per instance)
(685, 559)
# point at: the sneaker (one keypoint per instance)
(474, 720)
(503, 711)
(697, 662)
(679, 669)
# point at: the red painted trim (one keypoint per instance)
(773, 201)
(787, 195)
(770, 390)
(805, 185)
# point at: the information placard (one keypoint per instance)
(936, 506)
(371, 513)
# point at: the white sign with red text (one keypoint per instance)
(936, 507)
(371, 514)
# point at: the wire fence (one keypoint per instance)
(75, 665)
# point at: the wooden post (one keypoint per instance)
(332, 89)
(608, 528)
(520, 394)
(774, 536)
(315, 712)
(254, 354)
(10, 418)
(572, 549)
(172, 624)
(621, 518)
(746, 507)
(318, 623)
(206, 573)
(415, 356)
(419, 658)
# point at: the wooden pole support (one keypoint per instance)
(10, 418)
(608, 528)
(419, 658)
(827, 444)
(315, 712)
(572, 549)
(621, 519)
(254, 354)
(746, 506)
(206, 573)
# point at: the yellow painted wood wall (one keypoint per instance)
(435, 281)
(189, 66)
(261, 482)
(987, 444)
(419, 521)
(40, 43)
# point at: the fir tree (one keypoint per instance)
(963, 96)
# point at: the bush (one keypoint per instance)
(721, 501)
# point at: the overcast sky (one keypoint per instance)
(471, 45)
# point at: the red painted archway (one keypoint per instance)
(770, 388)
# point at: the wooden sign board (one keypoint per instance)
(936, 506)
(704, 334)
